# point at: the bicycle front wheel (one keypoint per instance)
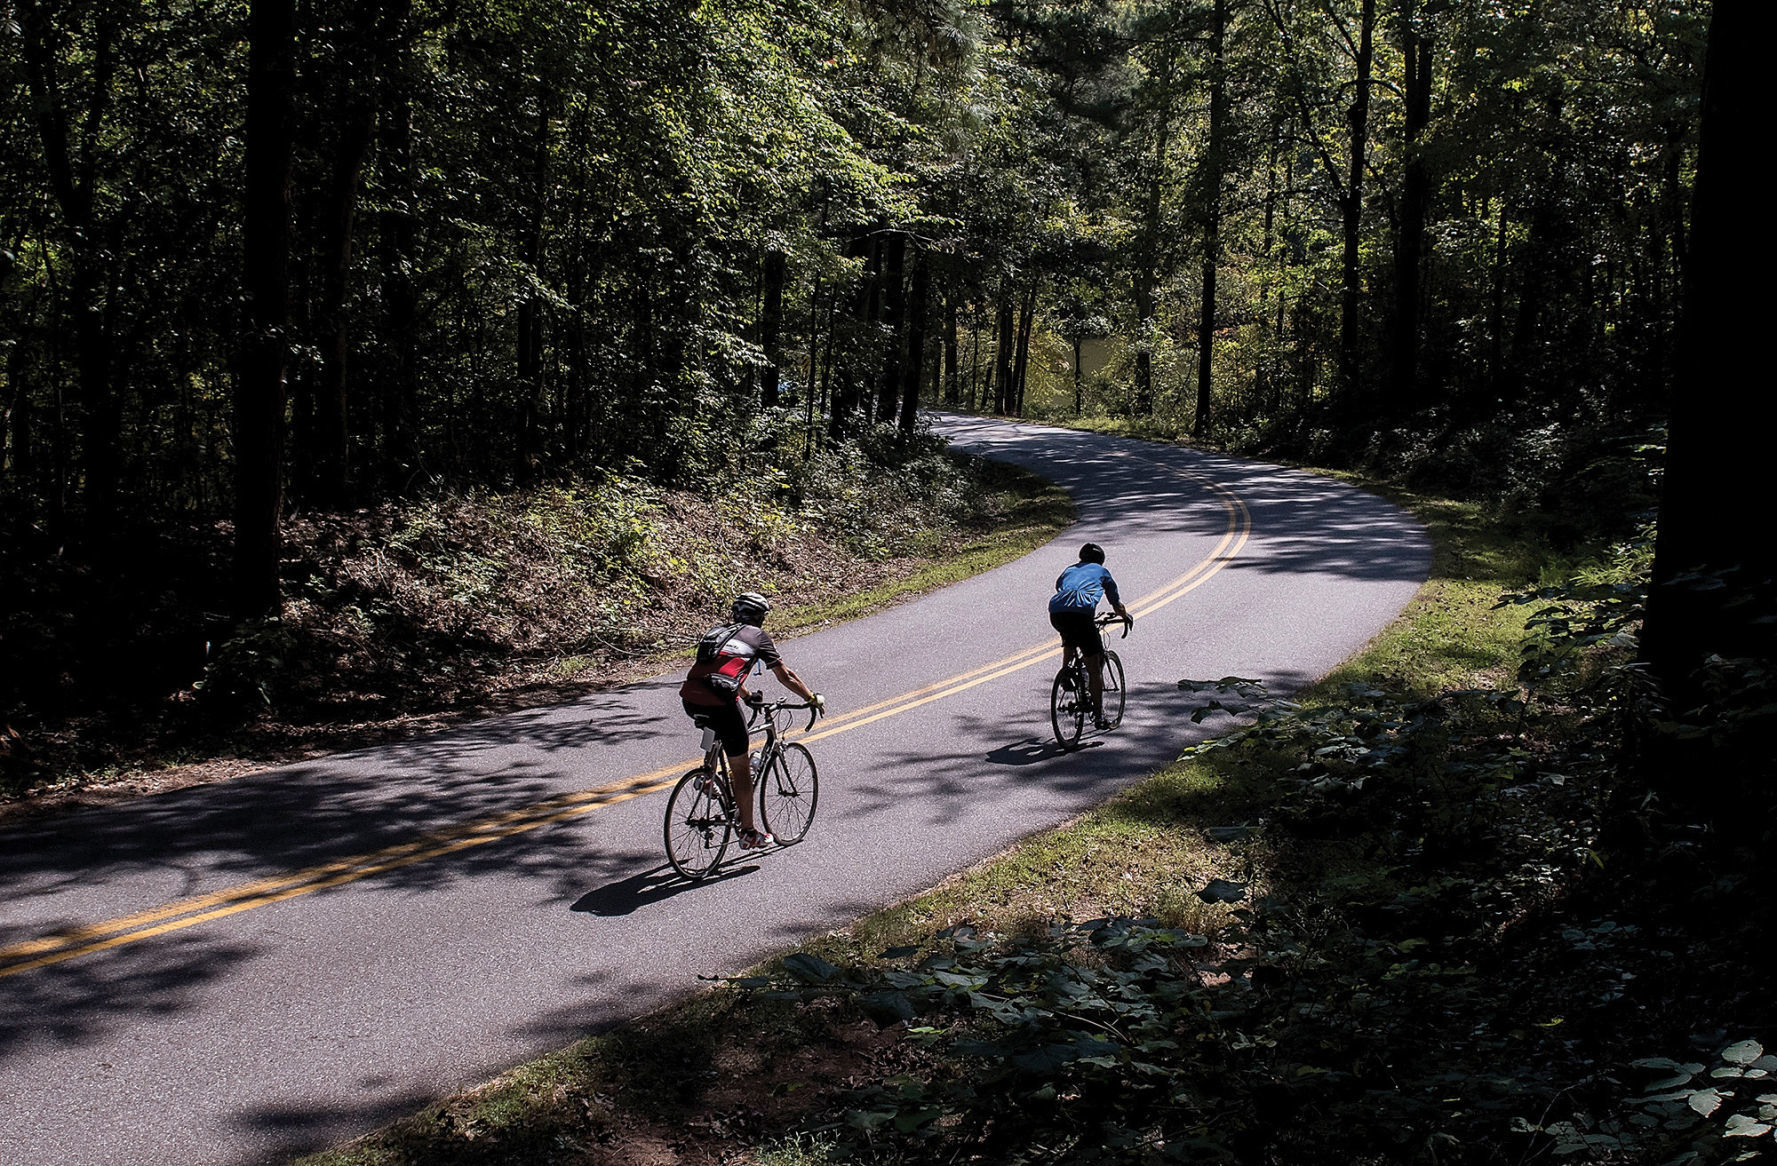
(697, 827)
(788, 791)
(1067, 707)
(1114, 693)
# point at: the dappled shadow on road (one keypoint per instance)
(370, 811)
(951, 784)
(293, 818)
(1302, 524)
(83, 997)
(284, 1132)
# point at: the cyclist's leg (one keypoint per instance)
(1093, 646)
(740, 780)
(731, 727)
(1095, 673)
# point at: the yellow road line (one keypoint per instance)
(185, 912)
(182, 913)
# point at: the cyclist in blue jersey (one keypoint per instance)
(1072, 610)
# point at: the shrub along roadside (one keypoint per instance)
(408, 616)
(1419, 914)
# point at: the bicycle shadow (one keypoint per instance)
(1035, 751)
(655, 885)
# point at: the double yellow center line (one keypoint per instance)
(189, 912)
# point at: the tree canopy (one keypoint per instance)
(259, 257)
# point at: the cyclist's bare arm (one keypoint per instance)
(794, 683)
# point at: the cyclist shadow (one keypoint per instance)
(651, 886)
(1034, 751)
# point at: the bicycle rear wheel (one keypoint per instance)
(1067, 706)
(788, 791)
(1114, 693)
(697, 827)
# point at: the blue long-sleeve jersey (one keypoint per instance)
(1081, 586)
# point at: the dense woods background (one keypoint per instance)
(350, 349)
(289, 258)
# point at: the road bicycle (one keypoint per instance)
(701, 815)
(1070, 699)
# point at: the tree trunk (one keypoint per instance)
(1352, 205)
(1713, 453)
(332, 464)
(1214, 163)
(914, 370)
(847, 382)
(1715, 571)
(1144, 356)
(1496, 308)
(771, 319)
(1079, 391)
(1265, 377)
(16, 436)
(974, 356)
(71, 184)
(1146, 277)
(400, 392)
(1415, 204)
(952, 387)
(894, 319)
(809, 381)
(1021, 367)
(259, 393)
(1002, 356)
(530, 310)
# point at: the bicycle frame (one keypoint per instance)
(697, 832)
(1071, 696)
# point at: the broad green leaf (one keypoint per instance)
(810, 969)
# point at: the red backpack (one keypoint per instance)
(722, 660)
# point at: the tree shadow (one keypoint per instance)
(79, 1004)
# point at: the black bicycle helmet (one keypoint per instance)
(1092, 553)
(751, 608)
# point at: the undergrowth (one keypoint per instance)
(478, 601)
(1458, 931)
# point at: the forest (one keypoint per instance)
(261, 260)
(350, 351)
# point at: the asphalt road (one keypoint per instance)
(245, 971)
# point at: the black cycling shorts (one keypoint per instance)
(728, 721)
(1079, 629)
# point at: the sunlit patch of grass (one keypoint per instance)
(1453, 634)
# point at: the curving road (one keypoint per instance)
(241, 972)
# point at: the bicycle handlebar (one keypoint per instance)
(772, 708)
(1111, 617)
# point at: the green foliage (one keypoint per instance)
(1685, 1115)
(245, 671)
(1444, 952)
(1074, 1046)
